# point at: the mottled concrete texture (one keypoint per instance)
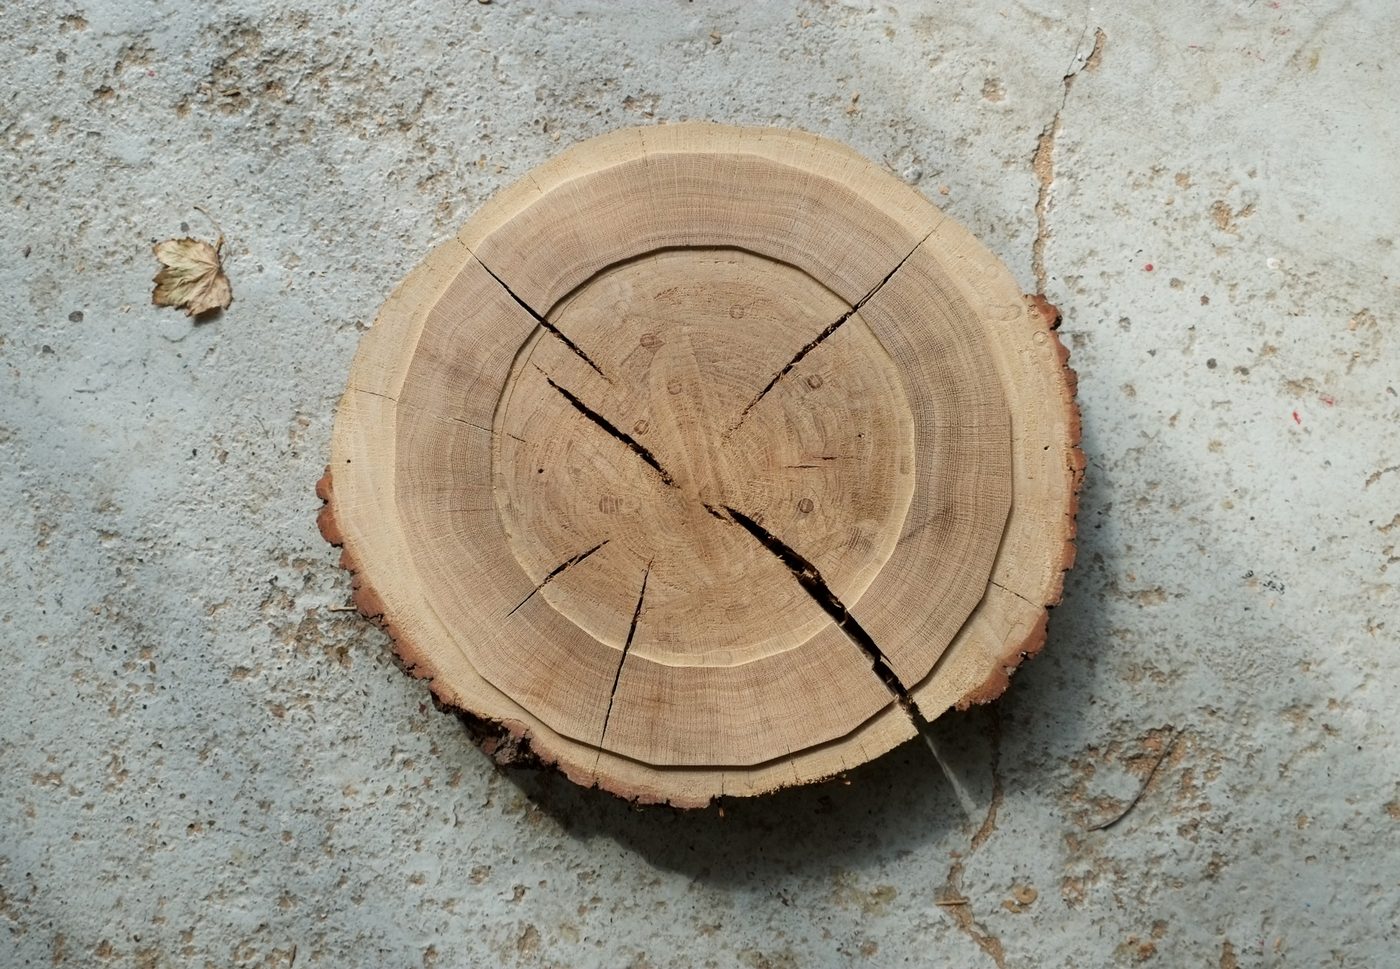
(204, 763)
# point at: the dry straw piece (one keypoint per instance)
(707, 461)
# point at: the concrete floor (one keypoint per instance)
(204, 764)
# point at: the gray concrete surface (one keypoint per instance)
(202, 764)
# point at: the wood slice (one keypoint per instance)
(707, 461)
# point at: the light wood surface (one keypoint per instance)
(707, 461)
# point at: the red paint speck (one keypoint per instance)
(1296, 418)
(1147, 268)
(1328, 399)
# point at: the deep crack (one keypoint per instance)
(543, 321)
(557, 570)
(810, 578)
(614, 431)
(626, 648)
(823, 336)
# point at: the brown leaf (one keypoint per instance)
(191, 276)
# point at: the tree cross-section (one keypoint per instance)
(707, 461)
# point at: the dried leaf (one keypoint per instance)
(191, 276)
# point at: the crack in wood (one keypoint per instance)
(1016, 594)
(809, 577)
(556, 571)
(543, 321)
(461, 420)
(614, 431)
(375, 393)
(626, 648)
(823, 336)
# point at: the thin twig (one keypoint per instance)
(218, 246)
(1167, 748)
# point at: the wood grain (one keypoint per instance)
(707, 461)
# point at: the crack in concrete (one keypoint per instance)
(959, 908)
(951, 898)
(1376, 475)
(1043, 159)
(989, 823)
